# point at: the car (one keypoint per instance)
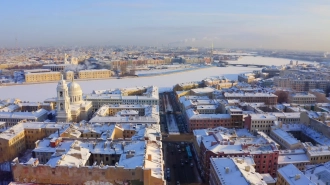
(168, 170)
(191, 164)
(186, 161)
(181, 164)
(179, 151)
(177, 182)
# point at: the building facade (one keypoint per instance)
(90, 74)
(42, 77)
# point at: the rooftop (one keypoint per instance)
(191, 114)
(285, 136)
(319, 174)
(236, 171)
(294, 176)
(249, 95)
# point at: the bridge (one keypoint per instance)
(247, 65)
(223, 64)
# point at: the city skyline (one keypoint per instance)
(294, 25)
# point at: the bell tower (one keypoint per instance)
(63, 102)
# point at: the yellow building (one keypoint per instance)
(22, 136)
(3, 66)
(42, 77)
(89, 74)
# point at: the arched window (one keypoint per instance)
(61, 94)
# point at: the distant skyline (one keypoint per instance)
(293, 25)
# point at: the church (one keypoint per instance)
(70, 104)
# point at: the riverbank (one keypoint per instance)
(123, 77)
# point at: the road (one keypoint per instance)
(180, 166)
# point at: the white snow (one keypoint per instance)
(40, 92)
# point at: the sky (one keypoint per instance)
(280, 24)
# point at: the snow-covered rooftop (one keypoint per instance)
(236, 171)
(191, 114)
(294, 176)
(24, 115)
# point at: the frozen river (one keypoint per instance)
(40, 92)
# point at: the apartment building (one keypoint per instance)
(267, 98)
(302, 80)
(113, 109)
(139, 95)
(97, 73)
(317, 154)
(22, 136)
(246, 77)
(195, 120)
(222, 142)
(259, 122)
(137, 159)
(238, 170)
(285, 139)
(320, 95)
(12, 118)
(302, 98)
(290, 174)
(297, 157)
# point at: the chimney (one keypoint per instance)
(297, 177)
(149, 157)
(247, 168)
(227, 170)
(214, 143)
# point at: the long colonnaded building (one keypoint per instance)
(90, 74)
(41, 75)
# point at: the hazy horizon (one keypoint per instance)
(291, 25)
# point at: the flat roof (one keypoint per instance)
(249, 95)
(290, 172)
(285, 136)
(236, 173)
(191, 114)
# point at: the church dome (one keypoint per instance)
(75, 92)
(74, 87)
